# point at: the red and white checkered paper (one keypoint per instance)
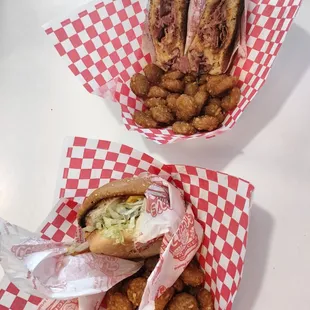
(101, 43)
(221, 205)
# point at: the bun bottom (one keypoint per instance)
(100, 245)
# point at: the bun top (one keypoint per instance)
(124, 187)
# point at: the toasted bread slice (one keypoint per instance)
(167, 26)
(213, 45)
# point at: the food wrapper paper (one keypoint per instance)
(101, 44)
(161, 216)
(44, 268)
(220, 203)
(178, 252)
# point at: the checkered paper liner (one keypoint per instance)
(101, 43)
(221, 205)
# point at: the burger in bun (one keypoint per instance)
(110, 218)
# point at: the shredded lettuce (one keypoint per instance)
(117, 216)
(76, 248)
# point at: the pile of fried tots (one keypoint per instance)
(187, 293)
(188, 102)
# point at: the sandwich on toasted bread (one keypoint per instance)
(167, 27)
(214, 42)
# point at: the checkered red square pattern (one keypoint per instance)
(221, 204)
(102, 42)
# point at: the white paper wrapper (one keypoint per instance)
(164, 211)
(43, 268)
(180, 250)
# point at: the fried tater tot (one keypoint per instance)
(215, 78)
(148, 113)
(193, 290)
(153, 73)
(193, 275)
(171, 101)
(200, 98)
(205, 300)
(173, 75)
(191, 89)
(183, 301)
(203, 79)
(153, 102)
(118, 301)
(139, 85)
(157, 92)
(219, 86)
(151, 262)
(206, 122)
(162, 114)
(230, 101)
(203, 87)
(189, 78)
(161, 302)
(186, 108)
(216, 101)
(178, 285)
(135, 290)
(221, 116)
(175, 86)
(212, 109)
(183, 128)
(144, 119)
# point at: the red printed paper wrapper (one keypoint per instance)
(101, 43)
(42, 267)
(219, 202)
(178, 253)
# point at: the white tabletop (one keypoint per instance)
(41, 102)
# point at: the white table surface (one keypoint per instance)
(41, 102)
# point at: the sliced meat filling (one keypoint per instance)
(175, 54)
(181, 64)
(214, 32)
(199, 62)
(165, 20)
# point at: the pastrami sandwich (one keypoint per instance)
(111, 216)
(215, 38)
(167, 26)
